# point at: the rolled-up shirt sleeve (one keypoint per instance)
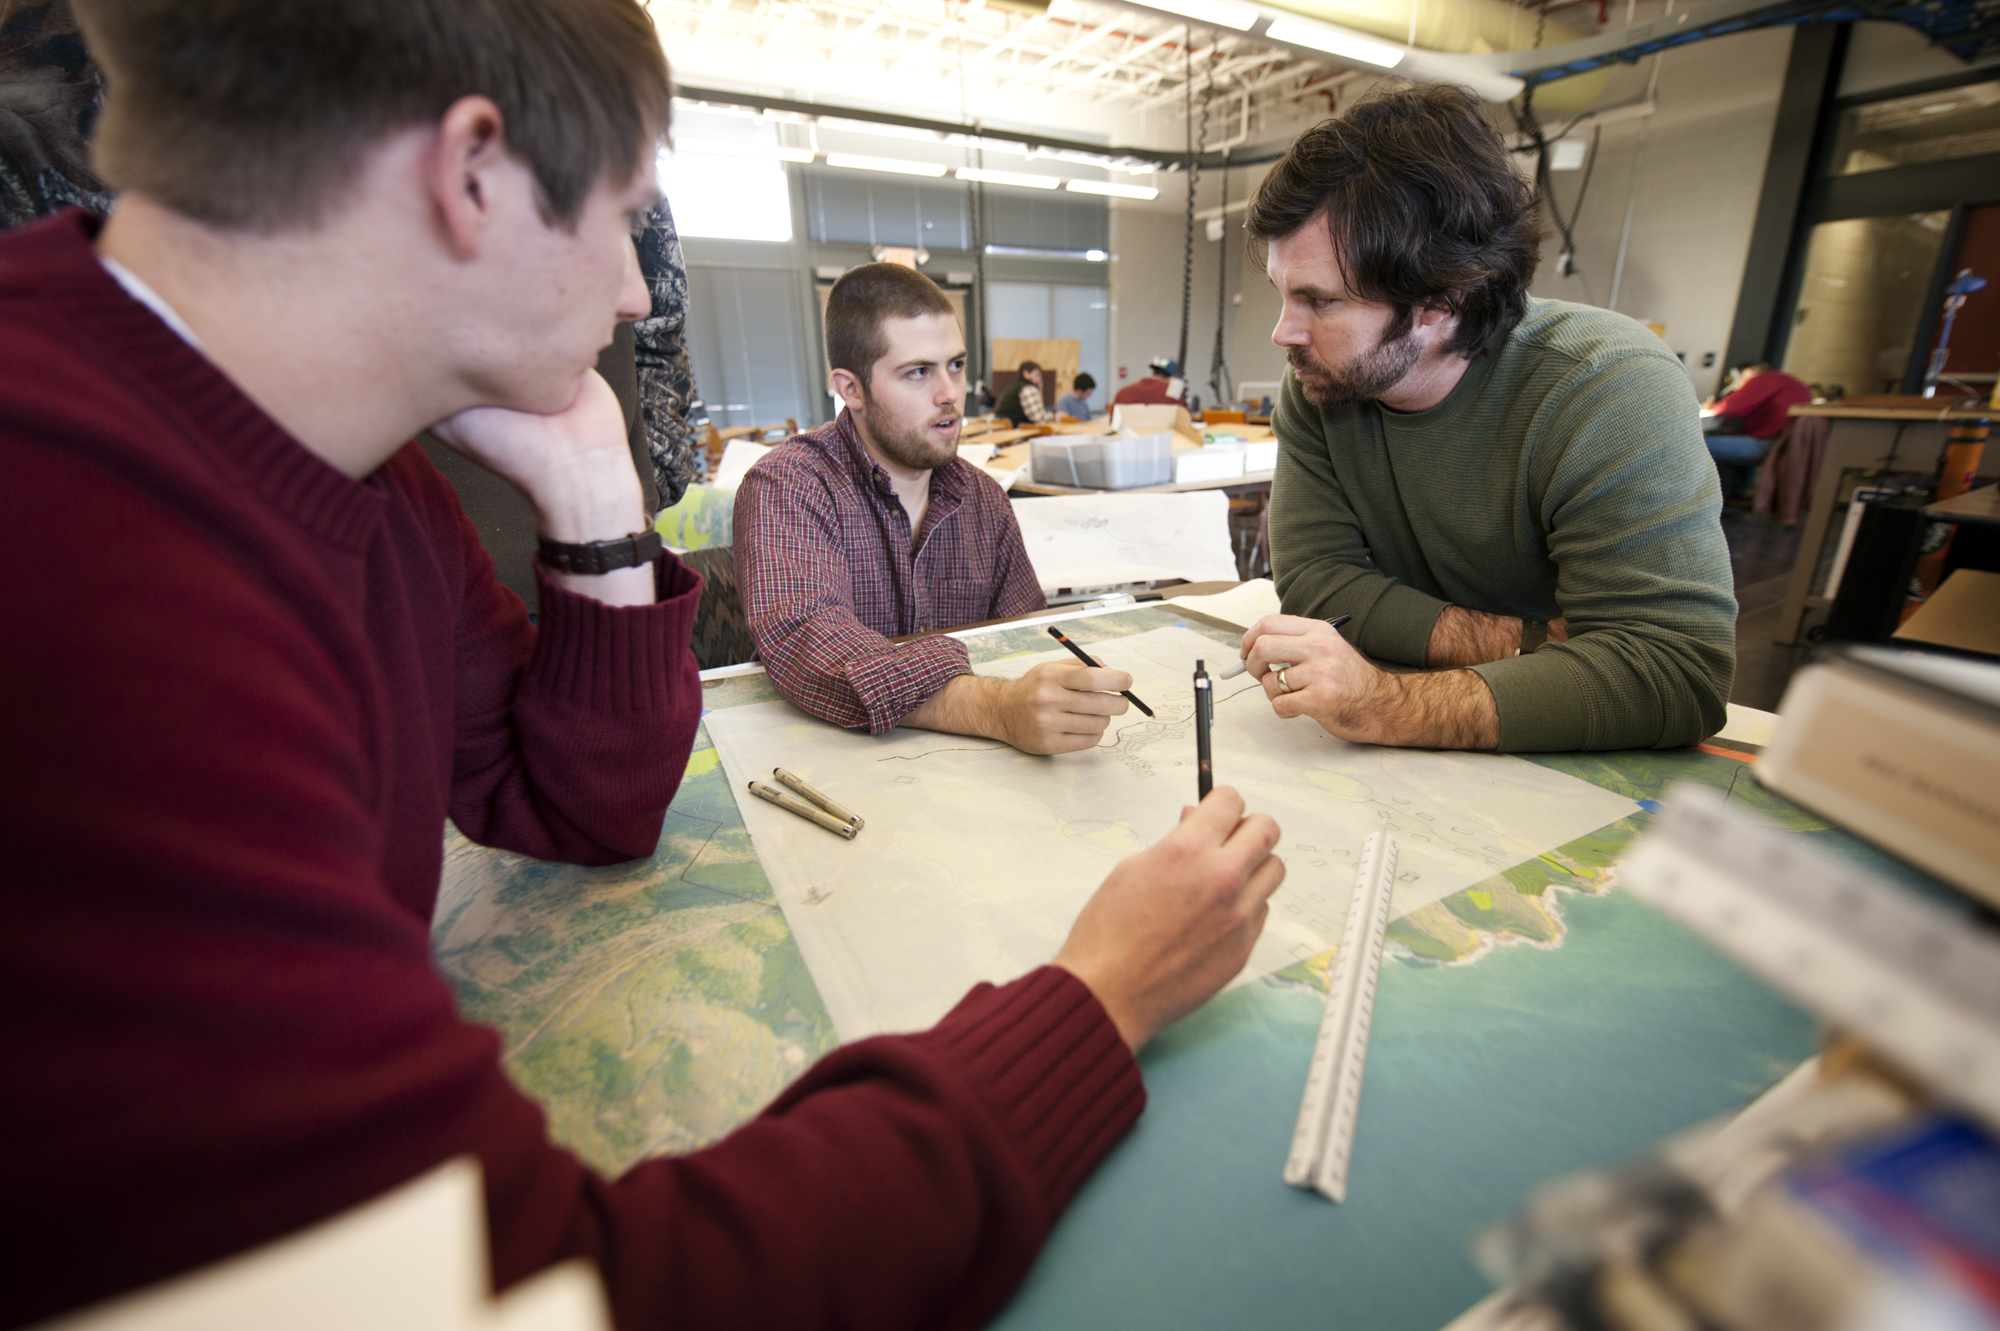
(798, 596)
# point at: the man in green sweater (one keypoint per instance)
(1511, 495)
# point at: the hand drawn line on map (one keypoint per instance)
(962, 748)
(714, 830)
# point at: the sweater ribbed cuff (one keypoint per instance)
(1398, 626)
(1052, 1069)
(615, 658)
(1541, 703)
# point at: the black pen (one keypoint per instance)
(1244, 665)
(1204, 713)
(1084, 657)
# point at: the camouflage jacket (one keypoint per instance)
(50, 94)
(668, 402)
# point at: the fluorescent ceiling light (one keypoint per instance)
(1021, 178)
(726, 148)
(1346, 44)
(1114, 190)
(895, 164)
(1215, 13)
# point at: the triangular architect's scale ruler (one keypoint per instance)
(1916, 982)
(1323, 1141)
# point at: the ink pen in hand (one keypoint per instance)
(1084, 657)
(1204, 715)
(1244, 665)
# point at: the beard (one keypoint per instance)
(913, 445)
(1363, 379)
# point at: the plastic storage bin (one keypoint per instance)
(1102, 461)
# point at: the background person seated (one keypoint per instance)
(1161, 385)
(1508, 493)
(1022, 402)
(1076, 402)
(871, 527)
(1741, 425)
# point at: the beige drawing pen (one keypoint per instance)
(793, 804)
(798, 784)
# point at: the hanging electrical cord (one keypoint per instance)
(975, 205)
(1638, 169)
(1194, 182)
(1218, 362)
(1530, 126)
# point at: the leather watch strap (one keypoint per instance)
(592, 557)
(1534, 633)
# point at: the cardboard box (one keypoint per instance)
(1963, 613)
(1104, 462)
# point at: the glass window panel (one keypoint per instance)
(743, 342)
(1084, 313)
(1929, 127)
(1862, 302)
(1017, 310)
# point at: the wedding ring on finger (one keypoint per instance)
(1284, 685)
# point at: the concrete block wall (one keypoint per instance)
(1690, 175)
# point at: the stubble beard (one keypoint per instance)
(914, 447)
(1363, 379)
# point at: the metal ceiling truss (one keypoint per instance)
(1113, 57)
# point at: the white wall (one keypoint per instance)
(1690, 173)
(1146, 250)
(1693, 194)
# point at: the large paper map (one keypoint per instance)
(898, 923)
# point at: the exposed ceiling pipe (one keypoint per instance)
(1483, 44)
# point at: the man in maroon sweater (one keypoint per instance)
(255, 656)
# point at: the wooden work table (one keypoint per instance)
(1948, 410)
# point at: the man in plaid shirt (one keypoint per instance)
(871, 528)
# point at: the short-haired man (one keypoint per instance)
(235, 728)
(1509, 493)
(1076, 402)
(1022, 403)
(872, 527)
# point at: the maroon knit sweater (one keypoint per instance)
(242, 692)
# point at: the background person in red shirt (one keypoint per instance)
(1742, 425)
(1161, 386)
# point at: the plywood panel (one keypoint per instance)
(1058, 354)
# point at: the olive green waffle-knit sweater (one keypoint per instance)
(1565, 476)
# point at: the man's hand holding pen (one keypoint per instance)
(1057, 707)
(1308, 669)
(1175, 922)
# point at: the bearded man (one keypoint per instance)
(871, 527)
(1510, 495)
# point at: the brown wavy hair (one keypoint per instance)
(1423, 206)
(257, 114)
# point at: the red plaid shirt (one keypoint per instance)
(824, 563)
